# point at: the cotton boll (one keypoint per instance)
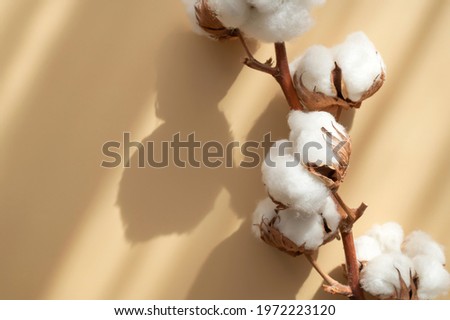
(310, 142)
(434, 280)
(232, 13)
(303, 230)
(420, 243)
(380, 276)
(360, 62)
(290, 183)
(331, 214)
(367, 248)
(289, 20)
(314, 70)
(388, 235)
(265, 210)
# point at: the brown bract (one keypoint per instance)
(208, 21)
(318, 101)
(333, 174)
(275, 238)
(405, 292)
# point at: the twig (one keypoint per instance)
(352, 264)
(334, 286)
(350, 216)
(280, 72)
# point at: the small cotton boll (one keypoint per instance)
(367, 248)
(290, 183)
(289, 20)
(420, 243)
(310, 142)
(314, 70)
(360, 62)
(388, 235)
(265, 209)
(302, 229)
(380, 276)
(232, 13)
(434, 280)
(331, 214)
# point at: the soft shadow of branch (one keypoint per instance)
(194, 74)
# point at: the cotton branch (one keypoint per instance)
(282, 75)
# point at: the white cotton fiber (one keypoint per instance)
(302, 229)
(367, 248)
(265, 5)
(388, 235)
(278, 21)
(420, 243)
(290, 183)
(331, 214)
(314, 70)
(360, 62)
(434, 280)
(265, 209)
(310, 142)
(232, 13)
(380, 276)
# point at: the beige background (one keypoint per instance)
(77, 73)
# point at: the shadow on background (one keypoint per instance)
(95, 78)
(241, 267)
(194, 74)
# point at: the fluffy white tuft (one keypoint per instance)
(331, 214)
(380, 277)
(314, 70)
(265, 209)
(232, 13)
(302, 229)
(290, 183)
(420, 243)
(388, 235)
(310, 142)
(434, 280)
(367, 248)
(265, 5)
(278, 21)
(360, 62)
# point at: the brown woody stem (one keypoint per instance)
(280, 72)
(352, 264)
(284, 79)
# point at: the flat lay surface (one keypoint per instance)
(75, 75)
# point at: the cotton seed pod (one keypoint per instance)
(318, 101)
(271, 234)
(208, 22)
(333, 174)
(343, 76)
